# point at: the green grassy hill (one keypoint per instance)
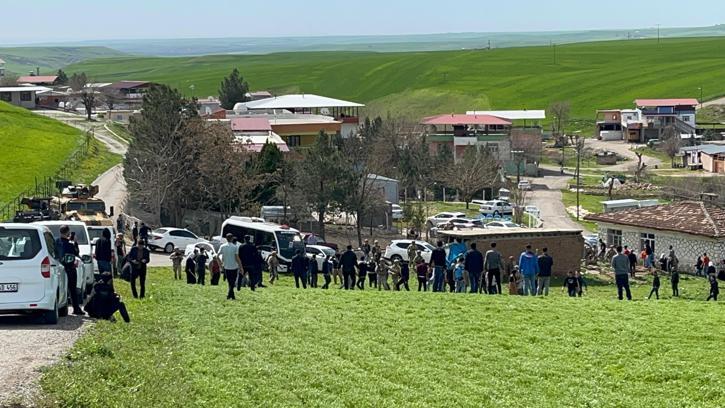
(281, 347)
(34, 147)
(20, 60)
(589, 75)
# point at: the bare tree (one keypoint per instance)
(671, 143)
(518, 201)
(639, 168)
(559, 113)
(9, 80)
(476, 170)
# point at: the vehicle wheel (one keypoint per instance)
(496, 213)
(169, 248)
(396, 258)
(51, 316)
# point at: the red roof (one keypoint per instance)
(250, 124)
(460, 119)
(37, 79)
(128, 84)
(666, 102)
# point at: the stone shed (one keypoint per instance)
(565, 246)
(691, 227)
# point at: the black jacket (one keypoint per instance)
(299, 266)
(545, 264)
(348, 260)
(474, 261)
(249, 256)
(104, 250)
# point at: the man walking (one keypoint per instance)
(139, 257)
(529, 268)
(134, 232)
(545, 262)
(143, 234)
(249, 256)
(67, 253)
(493, 264)
(474, 265)
(620, 264)
(438, 262)
(299, 269)
(348, 262)
(104, 253)
(231, 263)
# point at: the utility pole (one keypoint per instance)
(554, 54)
(700, 88)
(579, 147)
(658, 33)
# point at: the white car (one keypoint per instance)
(168, 238)
(208, 247)
(496, 208)
(533, 210)
(85, 267)
(524, 185)
(504, 194)
(502, 224)
(397, 212)
(444, 217)
(321, 253)
(462, 223)
(31, 278)
(398, 249)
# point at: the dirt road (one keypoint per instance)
(623, 149)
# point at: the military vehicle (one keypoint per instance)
(39, 209)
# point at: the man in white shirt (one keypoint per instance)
(229, 255)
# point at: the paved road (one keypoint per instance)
(546, 194)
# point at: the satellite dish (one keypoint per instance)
(325, 111)
(240, 107)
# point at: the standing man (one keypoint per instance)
(493, 264)
(299, 269)
(134, 232)
(67, 253)
(143, 233)
(529, 268)
(632, 263)
(438, 262)
(139, 257)
(176, 257)
(120, 253)
(366, 248)
(474, 265)
(201, 261)
(545, 263)
(231, 263)
(620, 264)
(313, 271)
(249, 256)
(348, 262)
(412, 251)
(104, 253)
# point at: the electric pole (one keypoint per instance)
(658, 33)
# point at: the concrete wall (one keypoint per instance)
(15, 100)
(707, 162)
(687, 247)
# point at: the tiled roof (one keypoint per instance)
(458, 119)
(666, 102)
(689, 217)
(37, 79)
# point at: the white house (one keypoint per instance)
(21, 95)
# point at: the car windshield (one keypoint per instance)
(95, 206)
(79, 230)
(94, 233)
(18, 244)
(288, 243)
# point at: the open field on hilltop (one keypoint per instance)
(589, 75)
(20, 60)
(35, 147)
(187, 346)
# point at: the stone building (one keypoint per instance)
(691, 227)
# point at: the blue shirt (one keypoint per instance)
(458, 272)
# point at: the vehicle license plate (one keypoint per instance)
(8, 287)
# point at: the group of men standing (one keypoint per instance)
(239, 260)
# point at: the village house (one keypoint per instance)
(38, 80)
(254, 132)
(691, 227)
(709, 157)
(649, 120)
(24, 96)
(457, 132)
(129, 94)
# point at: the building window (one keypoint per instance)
(614, 237)
(26, 96)
(6, 96)
(492, 148)
(293, 141)
(645, 238)
(686, 118)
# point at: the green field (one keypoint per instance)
(187, 346)
(590, 75)
(20, 60)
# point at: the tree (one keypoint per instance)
(9, 80)
(77, 81)
(318, 176)
(476, 170)
(640, 167)
(268, 162)
(559, 112)
(232, 90)
(62, 77)
(671, 143)
(88, 94)
(111, 97)
(159, 165)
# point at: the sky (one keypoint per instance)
(77, 20)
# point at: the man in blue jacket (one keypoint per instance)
(474, 266)
(529, 267)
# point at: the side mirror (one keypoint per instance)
(110, 211)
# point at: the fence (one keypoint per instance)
(46, 186)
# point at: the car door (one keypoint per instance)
(190, 237)
(177, 238)
(57, 270)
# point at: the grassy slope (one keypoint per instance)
(186, 346)
(32, 146)
(590, 75)
(20, 60)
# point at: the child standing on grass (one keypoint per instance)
(458, 272)
(513, 289)
(571, 284)
(421, 270)
(581, 282)
(655, 286)
(714, 290)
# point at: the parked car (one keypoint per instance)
(85, 265)
(524, 185)
(480, 202)
(312, 239)
(32, 280)
(397, 212)
(592, 240)
(504, 194)
(208, 247)
(444, 217)
(321, 251)
(398, 249)
(168, 238)
(502, 224)
(496, 208)
(462, 223)
(533, 210)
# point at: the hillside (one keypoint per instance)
(589, 75)
(20, 60)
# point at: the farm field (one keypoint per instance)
(20, 60)
(591, 76)
(187, 346)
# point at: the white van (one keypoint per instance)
(267, 237)
(31, 278)
(85, 269)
